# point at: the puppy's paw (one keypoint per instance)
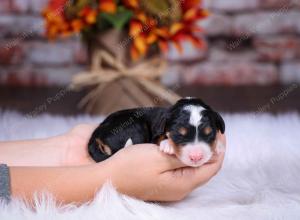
(166, 147)
(128, 143)
(220, 148)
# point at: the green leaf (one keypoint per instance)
(119, 19)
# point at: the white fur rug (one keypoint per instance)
(260, 178)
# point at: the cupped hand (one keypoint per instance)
(76, 141)
(142, 171)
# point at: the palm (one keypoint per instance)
(77, 140)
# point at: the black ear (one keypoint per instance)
(219, 122)
(158, 126)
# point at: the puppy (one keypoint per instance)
(187, 129)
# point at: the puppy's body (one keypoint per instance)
(188, 129)
(131, 126)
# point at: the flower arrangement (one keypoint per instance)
(114, 28)
(147, 23)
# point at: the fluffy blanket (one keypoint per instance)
(260, 178)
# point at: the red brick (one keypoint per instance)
(290, 72)
(80, 52)
(233, 5)
(5, 6)
(261, 23)
(36, 6)
(22, 77)
(222, 55)
(58, 75)
(271, 4)
(230, 73)
(217, 24)
(20, 6)
(23, 6)
(21, 27)
(2, 77)
(10, 55)
(50, 53)
(277, 48)
(172, 74)
(30, 76)
(189, 53)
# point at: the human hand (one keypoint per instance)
(76, 141)
(142, 171)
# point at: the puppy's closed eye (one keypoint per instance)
(105, 149)
(183, 131)
(207, 130)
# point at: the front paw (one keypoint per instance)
(166, 147)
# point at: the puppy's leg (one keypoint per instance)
(128, 142)
(166, 147)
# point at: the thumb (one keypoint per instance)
(169, 162)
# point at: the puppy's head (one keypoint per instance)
(192, 127)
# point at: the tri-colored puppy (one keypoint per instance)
(187, 129)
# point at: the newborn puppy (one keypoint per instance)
(188, 129)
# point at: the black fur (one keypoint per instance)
(148, 125)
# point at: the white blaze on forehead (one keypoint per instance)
(189, 97)
(195, 112)
(196, 145)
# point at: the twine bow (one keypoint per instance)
(106, 69)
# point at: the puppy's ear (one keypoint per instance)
(158, 124)
(219, 121)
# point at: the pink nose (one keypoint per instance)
(196, 156)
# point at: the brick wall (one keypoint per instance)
(249, 42)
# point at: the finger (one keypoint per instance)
(170, 162)
(204, 173)
(222, 138)
(164, 162)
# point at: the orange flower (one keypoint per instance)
(65, 17)
(88, 15)
(146, 30)
(108, 6)
(57, 6)
(77, 25)
(136, 28)
(131, 3)
(56, 23)
(151, 24)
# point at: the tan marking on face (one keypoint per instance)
(103, 147)
(183, 131)
(207, 130)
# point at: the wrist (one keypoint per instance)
(51, 151)
(40, 152)
(99, 174)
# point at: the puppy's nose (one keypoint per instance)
(196, 156)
